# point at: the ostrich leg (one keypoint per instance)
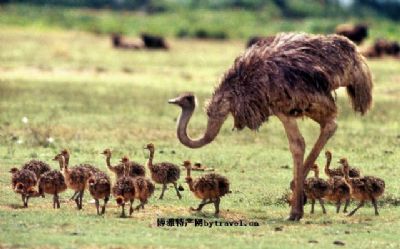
(297, 147)
(328, 128)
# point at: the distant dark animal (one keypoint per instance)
(357, 33)
(291, 77)
(118, 42)
(154, 42)
(262, 40)
(383, 47)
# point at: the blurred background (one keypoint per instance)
(219, 19)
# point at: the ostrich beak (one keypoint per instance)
(173, 101)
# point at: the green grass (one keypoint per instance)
(74, 87)
(234, 23)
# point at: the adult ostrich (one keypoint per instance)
(290, 77)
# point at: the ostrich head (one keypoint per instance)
(217, 111)
(65, 152)
(187, 164)
(328, 154)
(185, 101)
(315, 169)
(107, 152)
(125, 160)
(150, 147)
(120, 200)
(343, 161)
(14, 170)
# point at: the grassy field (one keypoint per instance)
(73, 87)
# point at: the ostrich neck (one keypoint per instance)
(346, 173)
(188, 171)
(328, 163)
(189, 181)
(316, 174)
(108, 162)
(213, 127)
(64, 165)
(150, 160)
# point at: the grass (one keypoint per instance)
(232, 23)
(73, 87)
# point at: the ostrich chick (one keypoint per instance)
(144, 188)
(163, 173)
(209, 187)
(363, 188)
(37, 167)
(52, 182)
(100, 188)
(316, 188)
(340, 191)
(136, 169)
(89, 169)
(124, 191)
(75, 177)
(353, 172)
(24, 182)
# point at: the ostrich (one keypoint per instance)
(52, 182)
(163, 173)
(209, 187)
(353, 172)
(100, 188)
(367, 188)
(291, 77)
(89, 169)
(36, 166)
(23, 183)
(135, 169)
(316, 188)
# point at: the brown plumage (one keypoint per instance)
(339, 192)
(144, 188)
(357, 33)
(89, 169)
(38, 167)
(99, 185)
(259, 40)
(23, 182)
(75, 177)
(52, 182)
(316, 188)
(124, 191)
(209, 187)
(163, 173)
(367, 188)
(353, 172)
(136, 169)
(293, 76)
